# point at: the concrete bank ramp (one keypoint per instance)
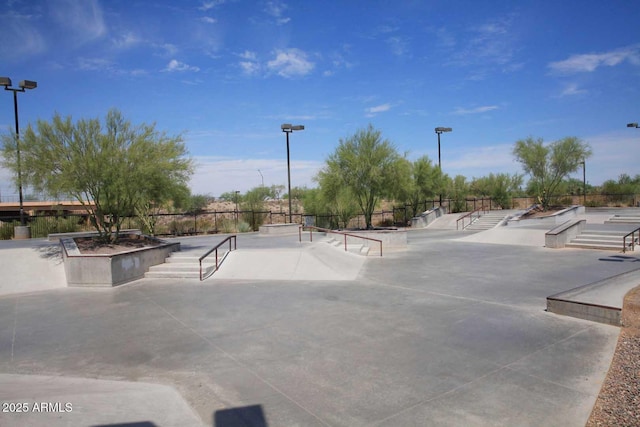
(31, 269)
(519, 236)
(317, 261)
(445, 222)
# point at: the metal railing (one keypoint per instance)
(470, 216)
(215, 249)
(326, 230)
(633, 240)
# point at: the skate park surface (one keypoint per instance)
(451, 331)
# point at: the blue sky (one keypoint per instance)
(227, 73)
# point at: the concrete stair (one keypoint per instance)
(487, 221)
(184, 265)
(624, 219)
(599, 239)
(353, 248)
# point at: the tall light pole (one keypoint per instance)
(288, 128)
(439, 130)
(584, 183)
(24, 84)
(236, 192)
(262, 177)
(632, 125)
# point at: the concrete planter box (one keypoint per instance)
(550, 220)
(114, 269)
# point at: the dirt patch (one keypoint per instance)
(539, 213)
(619, 398)
(93, 246)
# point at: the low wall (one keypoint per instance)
(390, 238)
(562, 234)
(276, 229)
(427, 217)
(111, 270)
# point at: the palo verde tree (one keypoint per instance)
(548, 165)
(367, 166)
(112, 168)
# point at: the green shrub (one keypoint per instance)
(6, 229)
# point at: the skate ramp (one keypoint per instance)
(318, 261)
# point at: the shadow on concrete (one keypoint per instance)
(246, 416)
(51, 252)
(136, 424)
(620, 258)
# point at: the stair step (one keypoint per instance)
(594, 246)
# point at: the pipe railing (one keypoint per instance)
(326, 230)
(633, 240)
(470, 216)
(215, 249)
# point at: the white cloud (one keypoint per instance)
(126, 41)
(589, 62)
(398, 45)
(249, 68)
(83, 19)
(175, 65)
(208, 20)
(372, 111)
(572, 89)
(476, 110)
(276, 9)
(217, 175)
(206, 5)
(247, 54)
(290, 63)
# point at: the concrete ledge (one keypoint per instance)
(559, 236)
(427, 217)
(55, 237)
(586, 311)
(277, 229)
(600, 301)
(391, 239)
(114, 269)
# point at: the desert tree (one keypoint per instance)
(113, 167)
(548, 165)
(365, 165)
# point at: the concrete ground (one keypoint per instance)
(448, 332)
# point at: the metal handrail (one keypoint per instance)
(470, 214)
(624, 240)
(215, 248)
(326, 230)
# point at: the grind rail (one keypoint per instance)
(470, 215)
(633, 239)
(326, 230)
(215, 249)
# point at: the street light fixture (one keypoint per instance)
(440, 130)
(261, 177)
(23, 85)
(632, 125)
(288, 128)
(584, 183)
(236, 192)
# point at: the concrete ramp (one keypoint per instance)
(518, 236)
(600, 301)
(317, 261)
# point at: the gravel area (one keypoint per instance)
(618, 403)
